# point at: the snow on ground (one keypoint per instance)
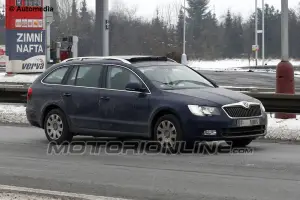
(14, 196)
(278, 129)
(237, 65)
(17, 78)
(283, 129)
(10, 113)
(13, 192)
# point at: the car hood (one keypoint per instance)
(219, 96)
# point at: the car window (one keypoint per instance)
(119, 77)
(89, 76)
(72, 76)
(174, 77)
(56, 76)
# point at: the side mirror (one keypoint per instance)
(135, 87)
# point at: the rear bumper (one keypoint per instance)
(32, 117)
(225, 128)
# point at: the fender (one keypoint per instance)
(158, 110)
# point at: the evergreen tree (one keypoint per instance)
(237, 37)
(197, 12)
(228, 36)
(85, 28)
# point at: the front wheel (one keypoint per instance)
(56, 127)
(168, 133)
(239, 142)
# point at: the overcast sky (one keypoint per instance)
(146, 8)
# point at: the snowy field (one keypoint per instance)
(278, 129)
(241, 65)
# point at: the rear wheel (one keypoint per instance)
(56, 127)
(239, 142)
(168, 133)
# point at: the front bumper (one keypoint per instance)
(225, 127)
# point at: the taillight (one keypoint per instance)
(29, 93)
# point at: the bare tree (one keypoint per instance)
(170, 12)
(120, 8)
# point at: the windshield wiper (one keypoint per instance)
(167, 84)
(191, 81)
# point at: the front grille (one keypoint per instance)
(243, 131)
(240, 111)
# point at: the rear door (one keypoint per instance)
(122, 111)
(82, 96)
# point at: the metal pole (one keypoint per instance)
(284, 30)
(183, 56)
(99, 26)
(263, 32)
(256, 37)
(105, 19)
(184, 27)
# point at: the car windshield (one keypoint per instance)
(175, 77)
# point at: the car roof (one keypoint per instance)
(128, 59)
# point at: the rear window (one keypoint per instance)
(57, 76)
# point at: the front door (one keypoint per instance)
(82, 96)
(124, 112)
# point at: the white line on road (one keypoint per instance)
(55, 193)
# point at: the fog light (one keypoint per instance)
(210, 132)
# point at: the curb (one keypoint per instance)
(278, 141)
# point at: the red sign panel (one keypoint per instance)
(24, 14)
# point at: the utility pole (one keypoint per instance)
(284, 30)
(102, 28)
(256, 36)
(184, 57)
(263, 32)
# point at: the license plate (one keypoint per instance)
(248, 122)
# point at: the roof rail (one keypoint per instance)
(169, 59)
(95, 57)
(151, 58)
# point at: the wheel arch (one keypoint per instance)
(47, 109)
(159, 113)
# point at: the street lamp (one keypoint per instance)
(184, 57)
(262, 31)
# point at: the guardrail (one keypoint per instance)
(286, 103)
(16, 93)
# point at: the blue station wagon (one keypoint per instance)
(144, 97)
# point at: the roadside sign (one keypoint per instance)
(255, 48)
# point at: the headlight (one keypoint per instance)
(262, 107)
(203, 110)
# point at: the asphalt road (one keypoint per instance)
(250, 79)
(271, 173)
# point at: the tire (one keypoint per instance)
(239, 142)
(58, 133)
(171, 125)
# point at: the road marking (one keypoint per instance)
(55, 193)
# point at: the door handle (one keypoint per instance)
(67, 94)
(104, 98)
